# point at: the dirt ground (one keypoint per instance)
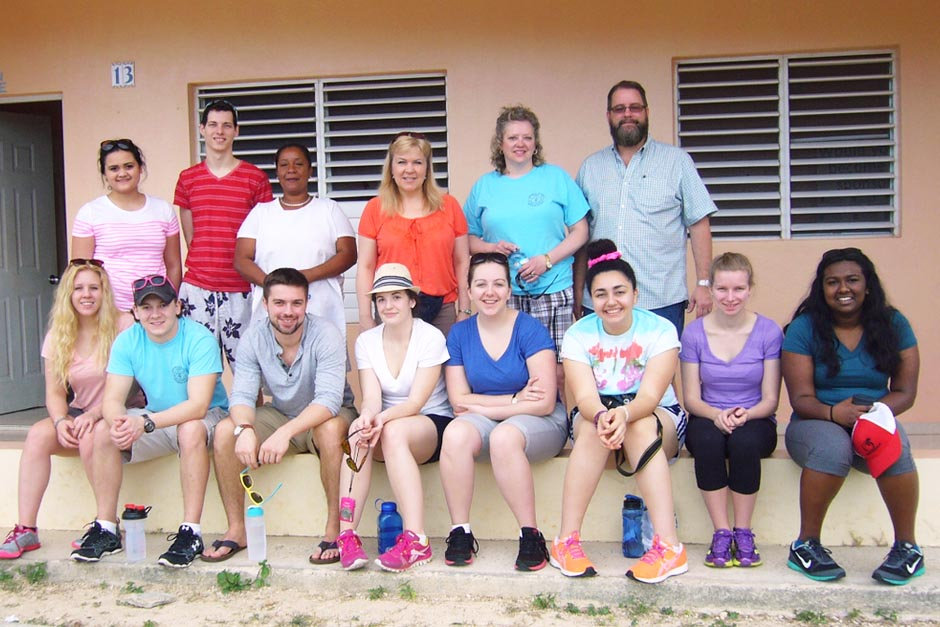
(93, 603)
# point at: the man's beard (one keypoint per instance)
(286, 330)
(629, 136)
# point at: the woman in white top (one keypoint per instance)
(404, 414)
(298, 231)
(133, 234)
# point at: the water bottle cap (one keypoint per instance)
(255, 511)
(389, 506)
(632, 502)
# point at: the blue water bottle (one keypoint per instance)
(390, 526)
(633, 509)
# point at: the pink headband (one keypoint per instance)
(607, 257)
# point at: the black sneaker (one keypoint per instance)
(97, 542)
(533, 554)
(812, 559)
(186, 546)
(461, 547)
(904, 562)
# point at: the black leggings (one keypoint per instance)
(743, 449)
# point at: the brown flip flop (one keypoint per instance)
(232, 546)
(325, 546)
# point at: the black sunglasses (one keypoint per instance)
(478, 258)
(110, 145)
(78, 261)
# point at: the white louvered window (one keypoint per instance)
(795, 145)
(347, 123)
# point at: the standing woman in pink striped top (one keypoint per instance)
(134, 234)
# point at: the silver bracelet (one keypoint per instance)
(55, 423)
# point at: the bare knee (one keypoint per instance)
(458, 438)
(41, 439)
(223, 438)
(191, 436)
(329, 434)
(506, 440)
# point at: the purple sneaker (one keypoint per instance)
(719, 553)
(351, 554)
(745, 553)
(407, 552)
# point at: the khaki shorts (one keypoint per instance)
(163, 441)
(268, 420)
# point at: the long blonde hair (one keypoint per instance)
(63, 322)
(389, 196)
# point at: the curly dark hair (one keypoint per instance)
(881, 338)
(606, 247)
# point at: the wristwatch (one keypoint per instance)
(240, 428)
(548, 261)
(704, 283)
(149, 424)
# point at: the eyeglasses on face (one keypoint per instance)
(255, 496)
(110, 145)
(633, 108)
(155, 280)
(78, 261)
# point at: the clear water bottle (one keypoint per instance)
(390, 526)
(517, 260)
(257, 537)
(633, 528)
(134, 520)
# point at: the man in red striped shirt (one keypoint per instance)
(214, 197)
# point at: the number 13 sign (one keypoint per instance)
(122, 74)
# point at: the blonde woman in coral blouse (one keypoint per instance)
(412, 222)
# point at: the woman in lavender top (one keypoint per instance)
(731, 383)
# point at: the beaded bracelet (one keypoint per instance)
(597, 416)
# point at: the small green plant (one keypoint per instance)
(34, 573)
(666, 611)
(131, 588)
(571, 608)
(887, 615)
(635, 607)
(376, 593)
(406, 592)
(544, 602)
(6, 580)
(603, 610)
(857, 540)
(721, 622)
(150, 623)
(301, 620)
(733, 615)
(810, 617)
(234, 582)
(853, 614)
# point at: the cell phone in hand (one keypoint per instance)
(862, 399)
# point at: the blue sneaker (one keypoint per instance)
(904, 562)
(719, 553)
(812, 559)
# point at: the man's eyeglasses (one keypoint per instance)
(247, 483)
(633, 108)
(347, 449)
(155, 280)
(78, 261)
(109, 145)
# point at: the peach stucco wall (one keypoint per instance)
(557, 56)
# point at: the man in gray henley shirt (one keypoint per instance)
(301, 359)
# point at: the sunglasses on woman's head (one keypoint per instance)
(116, 144)
(411, 134)
(78, 261)
(478, 258)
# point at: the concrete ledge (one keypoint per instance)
(857, 517)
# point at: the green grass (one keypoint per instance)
(887, 615)
(34, 573)
(377, 593)
(636, 607)
(544, 602)
(810, 617)
(571, 608)
(131, 588)
(591, 610)
(234, 582)
(406, 592)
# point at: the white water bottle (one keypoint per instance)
(134, 519)
(257, 537)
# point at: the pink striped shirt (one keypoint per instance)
(219, 206)
(130, 243)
